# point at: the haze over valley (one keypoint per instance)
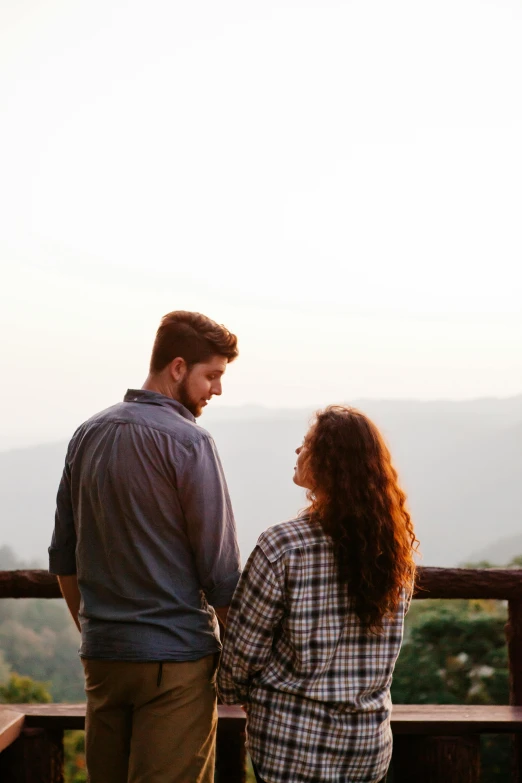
(459, 462)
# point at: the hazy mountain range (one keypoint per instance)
(460, 463)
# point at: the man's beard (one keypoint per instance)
(185, 399)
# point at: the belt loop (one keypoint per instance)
(160, 674)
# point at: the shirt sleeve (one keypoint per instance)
(211, 529)
(62, 552)
(407, 597)
(256, 611)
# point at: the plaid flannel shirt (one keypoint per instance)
(315, 685)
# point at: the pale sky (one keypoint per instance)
(337, 182)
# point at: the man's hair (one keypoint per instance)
(192, 336)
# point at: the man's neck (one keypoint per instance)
(160, 385)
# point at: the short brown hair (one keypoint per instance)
(192, 336)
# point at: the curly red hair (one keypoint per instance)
(358, 502)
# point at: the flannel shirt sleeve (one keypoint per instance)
(255, 613)
(408, 597)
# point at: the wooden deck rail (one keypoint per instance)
(433, 743)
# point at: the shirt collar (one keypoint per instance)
(155, 398)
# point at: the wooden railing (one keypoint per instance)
(433, 743)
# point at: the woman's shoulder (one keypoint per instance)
(292, 534)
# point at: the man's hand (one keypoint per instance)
(71, 593)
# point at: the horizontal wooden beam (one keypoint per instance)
(428, 719)
(28, 584)
(442, 719)
(11, 724)
(500, 583)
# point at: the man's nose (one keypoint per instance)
(216, 388)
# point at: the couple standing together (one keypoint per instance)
(145, 550)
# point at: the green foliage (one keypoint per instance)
(74, 750)
(39, 640)
(496, 757)
(455, 653)
(515, 562)
(250, 777)
(24, 690)
(5, 669)
(479, 564)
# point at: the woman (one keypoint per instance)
(316, 623)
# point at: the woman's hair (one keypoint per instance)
(357, 500)
(192, 336)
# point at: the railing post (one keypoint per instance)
(420, 759)
(35, 757)
(514, 639)
(230, 753)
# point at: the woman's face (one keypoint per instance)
(302, 475)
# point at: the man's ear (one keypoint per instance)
(178, 369)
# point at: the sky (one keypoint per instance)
(339, 183)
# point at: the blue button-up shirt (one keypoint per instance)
(144, 519)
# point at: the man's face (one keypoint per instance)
(200, 383)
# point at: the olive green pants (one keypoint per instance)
(150, 722)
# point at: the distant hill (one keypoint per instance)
(460, 463)
(500, 552)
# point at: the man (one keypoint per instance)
(144, 545)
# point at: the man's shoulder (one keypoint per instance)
(97, 418)
(146, 422)
(293, 534)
